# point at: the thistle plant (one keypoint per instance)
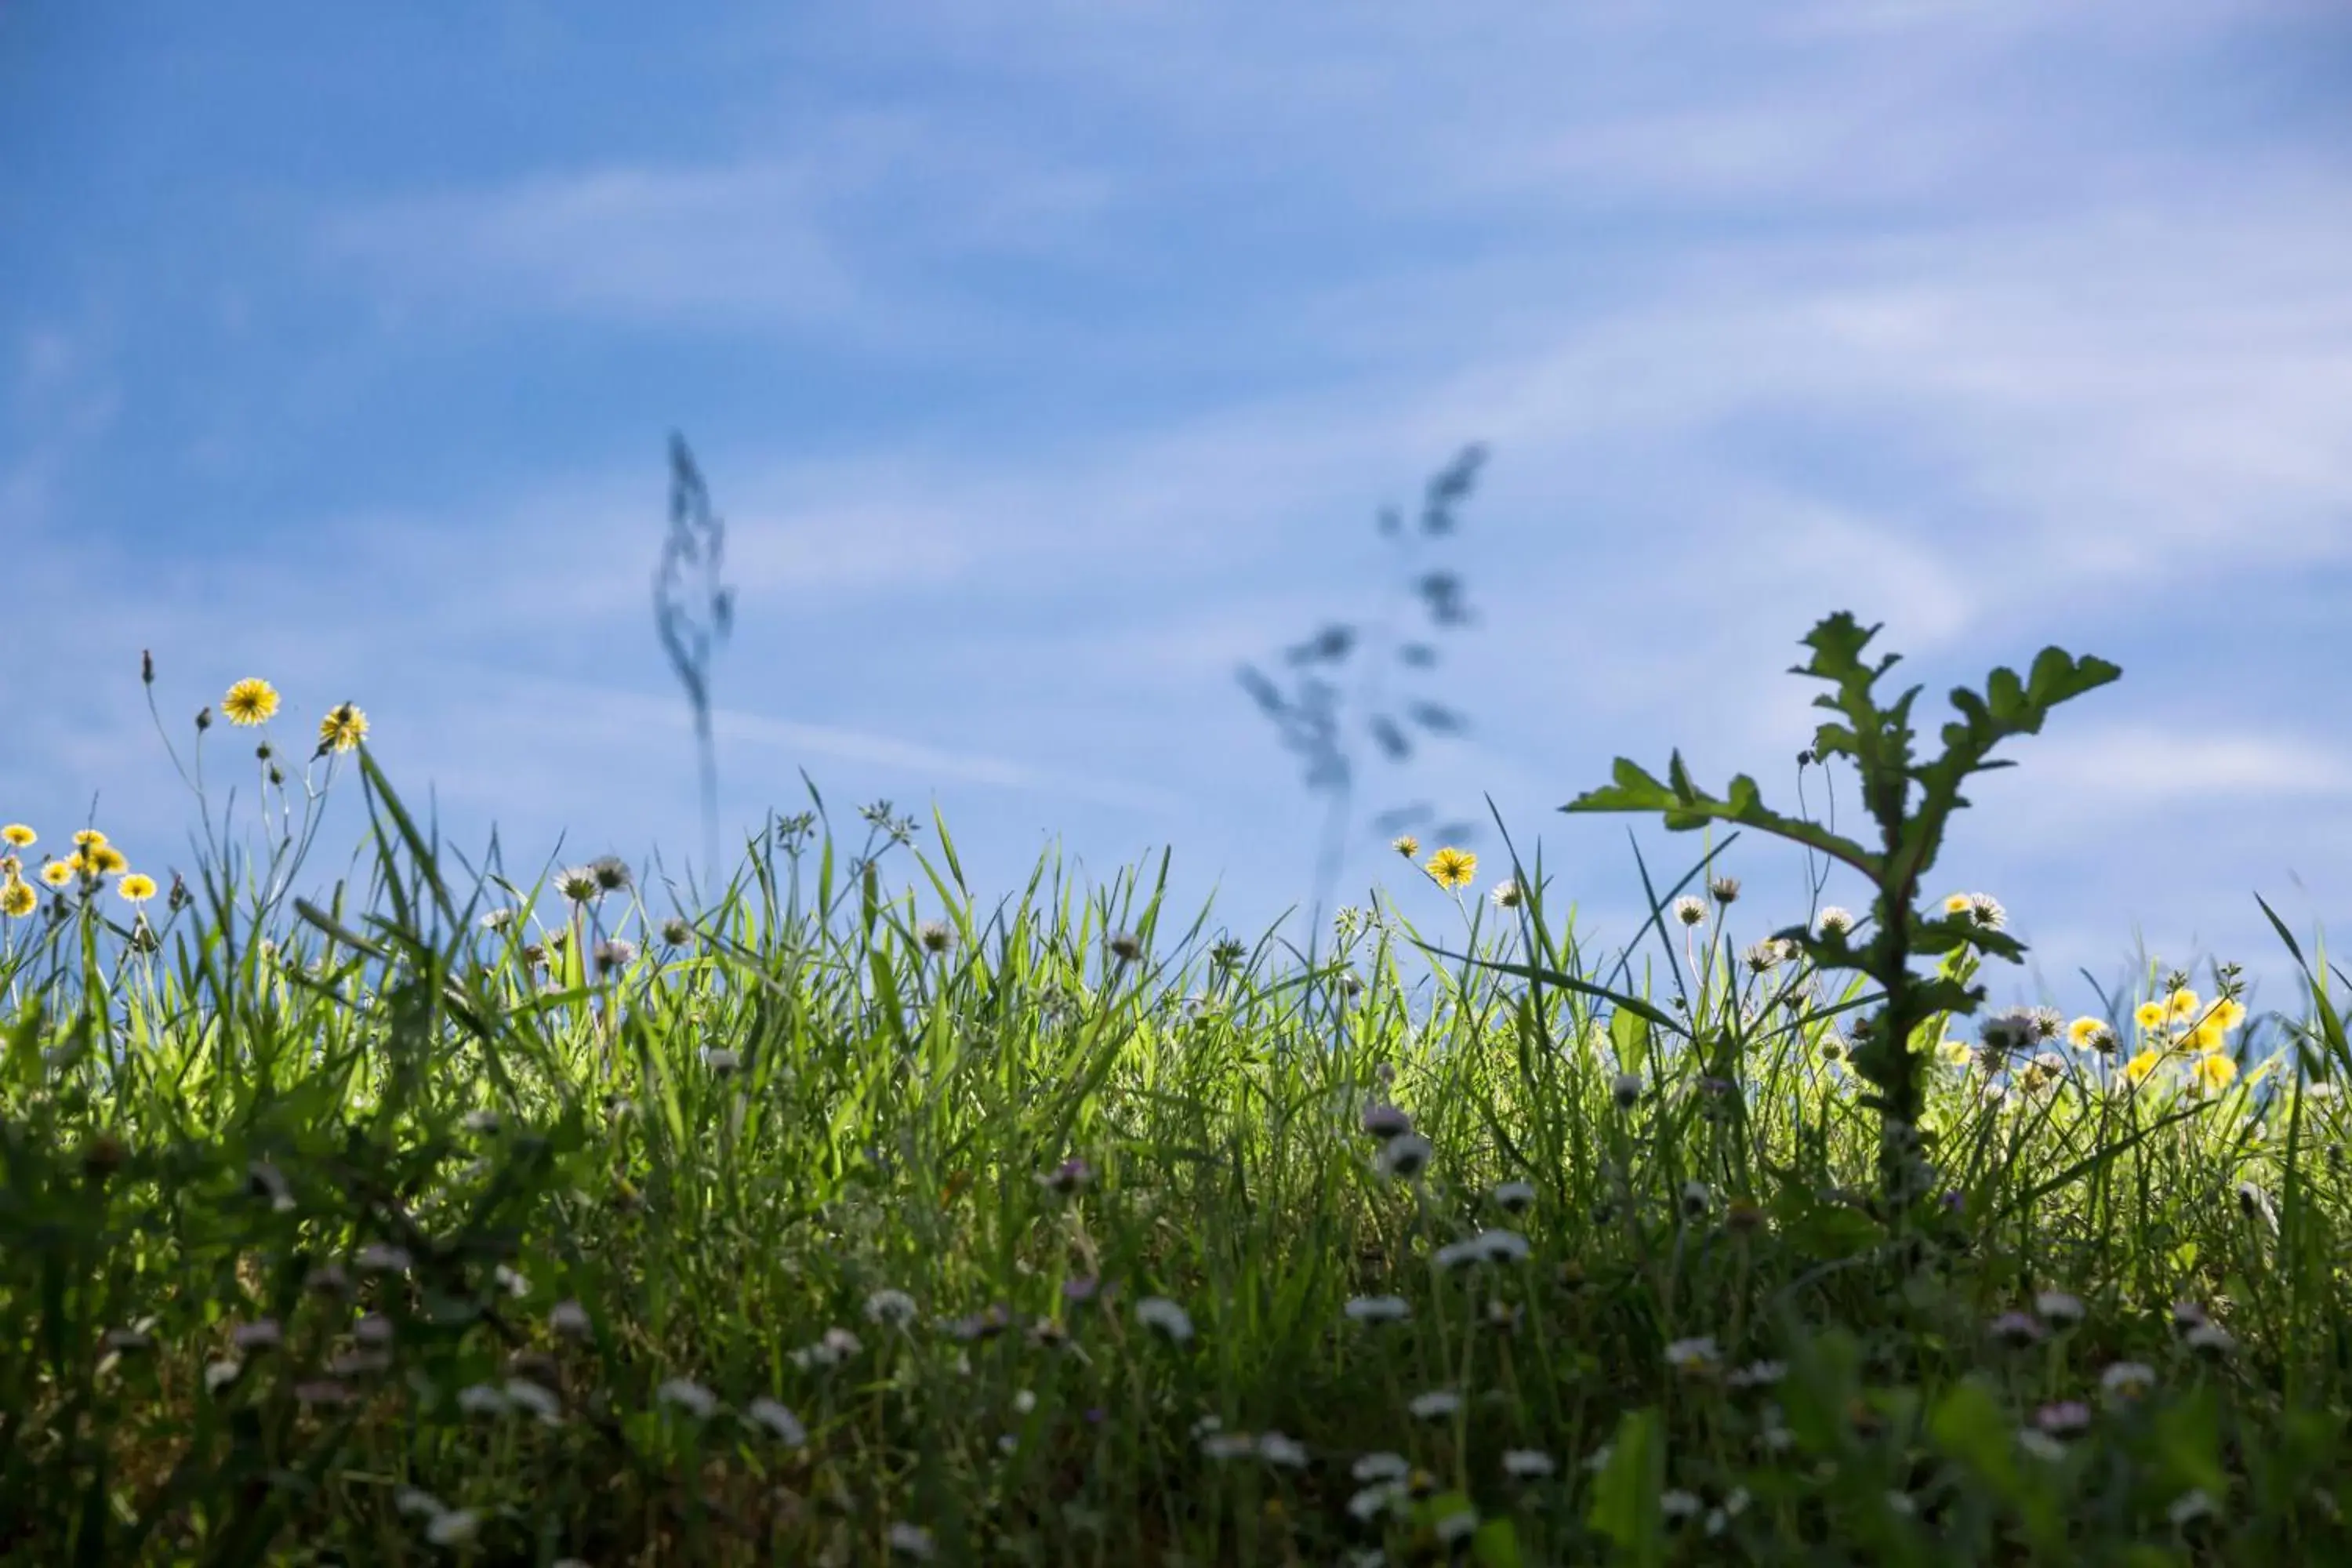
(1912, 803)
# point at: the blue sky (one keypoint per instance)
(1049, 360)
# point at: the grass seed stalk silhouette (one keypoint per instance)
(694, 611)
(1878, 742)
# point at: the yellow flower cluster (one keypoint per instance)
(2183, 1026)
(92, 858)
(253, 702)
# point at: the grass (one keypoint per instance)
(856, 1216)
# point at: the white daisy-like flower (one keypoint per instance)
(1698, 1353)
(690, 1396)
(1515, 1197)
(453, 1527)
(2059, 1309)
(417, 1502)
(1508, 896)
(1457, 1526)
(219, 1374)
(382, 1257)
(1160, 1312)
(2189, 1507)
(1690, 910)
(1218, 1444)
(912, 1540)
(1285, 1452)
(1377, 1308)
(1381, 1467)
(778, 1419)
(1527, 1464)
(1435, 1406)
(1404, 1157)
(721, 1060)
(1369, 1503)
(570, 1318)
(891, 1309)
(2040, 1444)
(1677, 1504)
(1834, 918)
(2127, 1380)
(534, 1399)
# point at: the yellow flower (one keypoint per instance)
(1453, 868)
(344, 727)
(102, 861)
(2140, 1065)
(2149, 1015)
(1956, 1053)
(1406, 845)
(1957, 904)
(19, 835)
(250, 701)
(2228, 1014)
(138, 887)
(2088, 1034)
(10, 868)
(2182, 1003)
(89, 838)
(57, 873)
(16, 899)
(2209, 1035)
(2213, 1071)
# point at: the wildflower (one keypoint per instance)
(2182, 1003)
(2187, 1315)
(1527, 1464)
(219, 1374)
(912, 1540)
(1761, 957)
(1452, 869)
(1957, 904)
(1955, 1052)
(2213, 1072)
(690, 1396)
(2127, 1380)
(264, 1180)
(1833, 921)
(1435, 1406)
(105, 860)
(676, 933)
(578, 883)
(2150, 1014)
(2059, 1309)
(1758, 1375)
(1694, 1355)
(382, 1257)
(261, 1335)
(778, 1420)
(1404, 1156)
(343, 728)
(534, 1398)
(1381, 1467)
(1696, 1199)
(1626, 1089)
(250, 702)
(1506, 895)
(130, 1339)
(1406, 845)
(1369, 1503)
(1288, 1453)
(1679, 1505)
(2017, 1330)
(1735, 1503)
(16, 899)
(416, 1500)
(891, 1309)
(1515, 1197)
(2228, 1013)
(2088, 1034)
(2138, 1069)
(1986, 910)
(1377, 1308)
(1125, 946)
(1456, 1527)
(721, 1060)
(375, 1329)
(1160, 1312)
(2064, 1417)
(482, 1399)
(57, 873)
(1486, 1247)
(2207, 1035)
(17, 833)
(1068, 1177)
(456, 1527)
(1691, 912)
(613, 953)
(1725, 889)
(2210, 1340)
(1221, 1445)
(2190, 1507)
(2040, 1444)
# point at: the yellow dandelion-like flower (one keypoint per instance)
(1957, 904)
(2209, 1035)
(344, 727)
(1405, 845)
(57, 873)
(1955, 1052)
(89, 838)
(2182, 1003)
(19, 835)
(103, 860)
(1451, 868)
(2213, 1072)
(2229, 1014)
(2151, 1015)
(2089, 1034)
(250, 701)
(2139, 1067)
(16, 899)
(138, 887)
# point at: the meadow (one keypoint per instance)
(847, 1213)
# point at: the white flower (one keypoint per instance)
(1758, 1375)
(1373, 1501)
(1527, 1464)
(1833, 919)
(690, 1396)
(1486, 1247)
(512, 1283)
(1381, 1467)
(1690, 910)
(1404, 1157)
(1377, 1308)
(1515, 1197)
(479, 1121)
(891, 1309)
(721, 1060)
(1277, 1449)
(1023, 1402)
(1216, 1445)
(454, 1527)
(569, 1319)
(2127, 1380)
(912, 1539)
(482, 1399)
(2040, 1444)
(414, 1500)
(524, 1395)
(2209, 1339)
(1678, 1504)
(1627, 1090)
(1435, 1405)
(1695, 1355)
(382, 1257)
(2059, 1309)
(1458, 1526)
(2191, 1505)
(1506, 895)
(219, 1374)
(1160, 1312)
(261, 1335)
(269, 1182)
(776, 1419)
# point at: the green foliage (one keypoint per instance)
(1912, 803)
